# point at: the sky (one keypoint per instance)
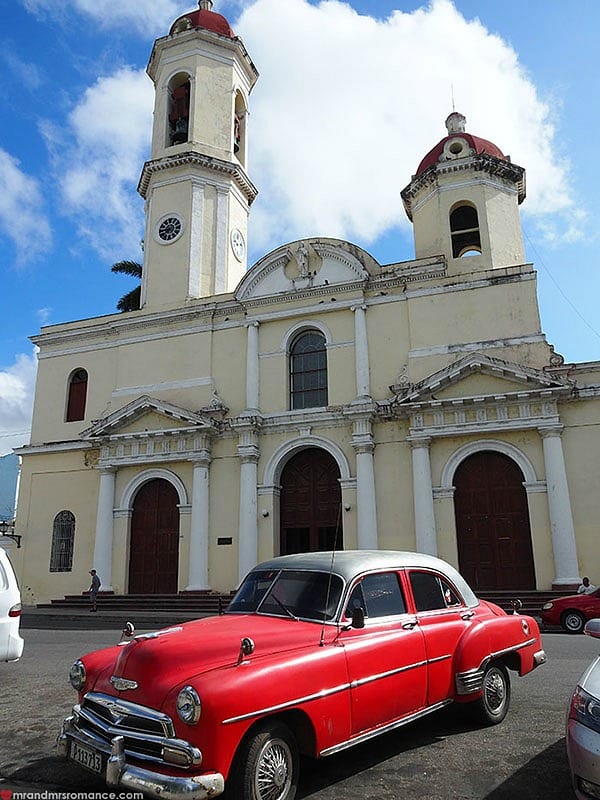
(351, 97)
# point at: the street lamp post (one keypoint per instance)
(7, 529)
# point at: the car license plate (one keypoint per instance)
(86, 757)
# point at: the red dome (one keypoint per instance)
(207, 20)
(474, 142)
(456, 130)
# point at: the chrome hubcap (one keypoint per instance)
(273, 774)
(495, 691)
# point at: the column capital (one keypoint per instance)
(549, 431)
(363, 447)
(201, 459)
(248, 454)
(359, 307)
(253, 323)
(417, 442)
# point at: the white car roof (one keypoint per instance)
(350, 563)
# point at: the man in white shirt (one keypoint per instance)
(586, 587)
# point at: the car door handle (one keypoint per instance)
(409, 624)
(467, 614)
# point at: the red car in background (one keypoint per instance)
(572, 611)
(317, 652)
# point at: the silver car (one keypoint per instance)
(583, 727)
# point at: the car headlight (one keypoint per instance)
(77, 675)
(547, 606)
(189, 706)
(585, 709)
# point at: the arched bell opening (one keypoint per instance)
(240, 118)
(178, 109)
(464, 231)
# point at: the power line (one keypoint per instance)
(558, 287)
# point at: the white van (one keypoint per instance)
(11, 643)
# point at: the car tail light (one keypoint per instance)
(15, 611)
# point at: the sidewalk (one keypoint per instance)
(83, 619)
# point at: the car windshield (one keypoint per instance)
(289, 593)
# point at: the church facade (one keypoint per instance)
(318, 400)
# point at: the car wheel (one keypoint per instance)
(492, 706)
(266, 765)
(572, 621)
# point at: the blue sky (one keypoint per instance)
(351, 96)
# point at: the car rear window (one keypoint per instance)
(3, 578)
(379, 595)
(432, 592)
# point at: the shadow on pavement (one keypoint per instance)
(545, 776)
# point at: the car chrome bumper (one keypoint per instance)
(583, 751)
(137, 779)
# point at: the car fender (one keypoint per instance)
(514, 640)
(308, 689)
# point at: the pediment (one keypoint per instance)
(144, 415)
(306, 264)
(480, 376)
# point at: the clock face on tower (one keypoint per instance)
(238, 245)
(168, 229)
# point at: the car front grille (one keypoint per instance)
(146, 732)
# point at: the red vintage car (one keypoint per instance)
(572, 611)
(317, 652)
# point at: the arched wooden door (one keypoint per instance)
(311, 499)
(154, 551)
(492, 523)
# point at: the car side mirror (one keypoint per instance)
(358, 617)
(592, 628)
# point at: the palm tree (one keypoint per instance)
(131, 300)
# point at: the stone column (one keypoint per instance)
(198, 559)
(248, 452)
(426, 539)
(104, 528)
(252, 369)
(364, 447)
(361, 352)
(559, 506)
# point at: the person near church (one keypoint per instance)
(94, 589)
(586, 587)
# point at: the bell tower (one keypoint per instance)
(195, 185)
(464, 202)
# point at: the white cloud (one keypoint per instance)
(347, 106)
(16, 402)
(345, 109)
(22, 217)
(97, 161)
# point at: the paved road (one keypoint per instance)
(441, 757)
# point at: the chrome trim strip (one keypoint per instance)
(363, 737)
(289, 704)
(439, 658)
(378, 676)
(323, 693)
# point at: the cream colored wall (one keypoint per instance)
(51, 484)
(581, 446)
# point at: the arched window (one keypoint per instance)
(464, 230)
(308, 371)
(179, 109)
(63, 535)
(77, 395)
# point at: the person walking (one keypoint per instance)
(94, 589)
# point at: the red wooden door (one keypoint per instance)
(154, 551)
(492, 523)
(310, 503)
